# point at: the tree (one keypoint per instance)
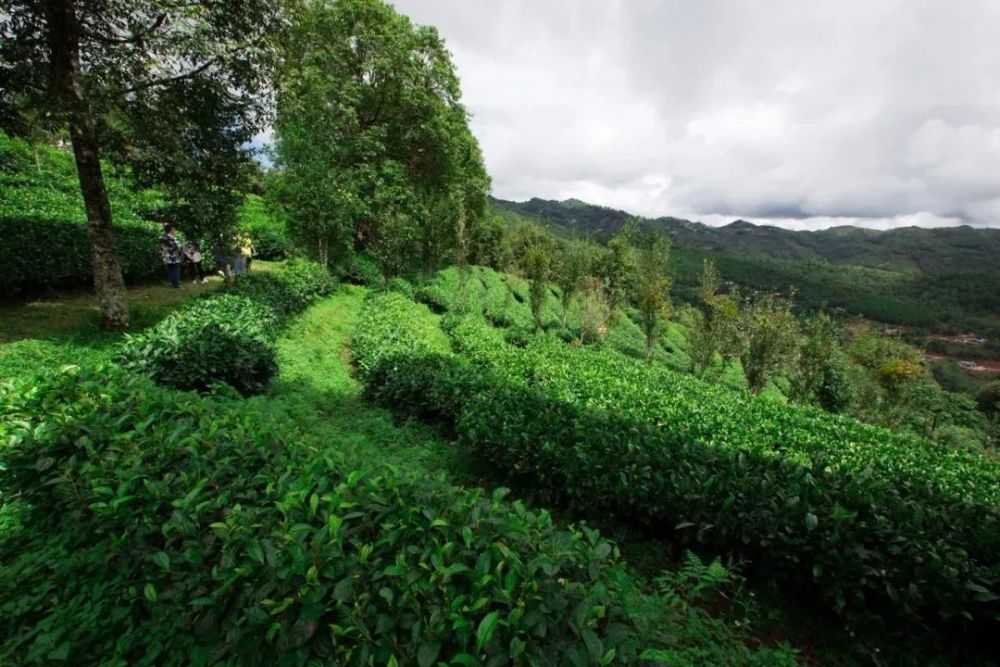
(489, 243)
(653, 287)
(373, 139)
(988, 400)
(96, 55)
(619, 268)
(821, 377)
(769, 340)
(536, 269)
(192, 139)
(716, 330)
(575, 264)
(594, 309)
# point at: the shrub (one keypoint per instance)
(308, 280)
(403, 286)
(287, 291)
(170, 529)
(363, 270)
(390, 331)
(38, 253)
(883, 526)
(220, 339)
(271, 239)
(43, 223)
(268, 289)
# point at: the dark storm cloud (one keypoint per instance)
(804, 114)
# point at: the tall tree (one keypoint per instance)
(619, 268)
(537, 263)
(373, 138)
(576, 259)
(96, 55)
(652, 279)
(768, 333)
(716, 330)
(821, 376)
(594, 309)
(192, 140)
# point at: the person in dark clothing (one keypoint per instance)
(192, 253)
(170, 250)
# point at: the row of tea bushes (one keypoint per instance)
(227, 338)
(502, 299)
(43, 225)
(167, 528)
(881, 526)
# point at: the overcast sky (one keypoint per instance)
(802, 113)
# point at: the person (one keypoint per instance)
(192, 253)
(170, 250)
(239, 263)
(246, 249)
(220, 257)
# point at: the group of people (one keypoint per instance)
(175, 254)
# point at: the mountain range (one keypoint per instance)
(925, 250)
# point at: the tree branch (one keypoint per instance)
(134, 38)
(145, 85)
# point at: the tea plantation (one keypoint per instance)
(142, 523)
(896, 534)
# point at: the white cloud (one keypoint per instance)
(881, 112)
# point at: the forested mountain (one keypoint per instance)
(938, 250)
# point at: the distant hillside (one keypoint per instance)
(940, 250)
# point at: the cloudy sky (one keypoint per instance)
(800, 113)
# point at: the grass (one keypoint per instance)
(64, 328)
(316, 390)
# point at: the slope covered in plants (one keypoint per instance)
(890, 530)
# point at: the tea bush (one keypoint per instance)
(402, 285)
(881, 526)
(271, 239)
(287, 291)
(157, 527)
(220, 339)
(391, 330)
(363, 270)
(308, 280)
(44, 226)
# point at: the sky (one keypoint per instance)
(803, 114)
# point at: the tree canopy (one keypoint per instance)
(372, 137)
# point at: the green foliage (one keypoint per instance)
(164, 528)
(192, 140)
(652, 295)
(268, 230)
(619, 269)
(716, 325)
(373, 139)
(536, 267)
(220, 339)
(287, 291)
(769, 340)
(43, 223)
(887, 529)
(821, 376)
(575, 264)
(364, 270)
(391, 330)
(988, 400)
(403, 286)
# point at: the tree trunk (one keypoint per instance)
(64, 43)
(323, 251)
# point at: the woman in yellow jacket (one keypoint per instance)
(246, 249)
